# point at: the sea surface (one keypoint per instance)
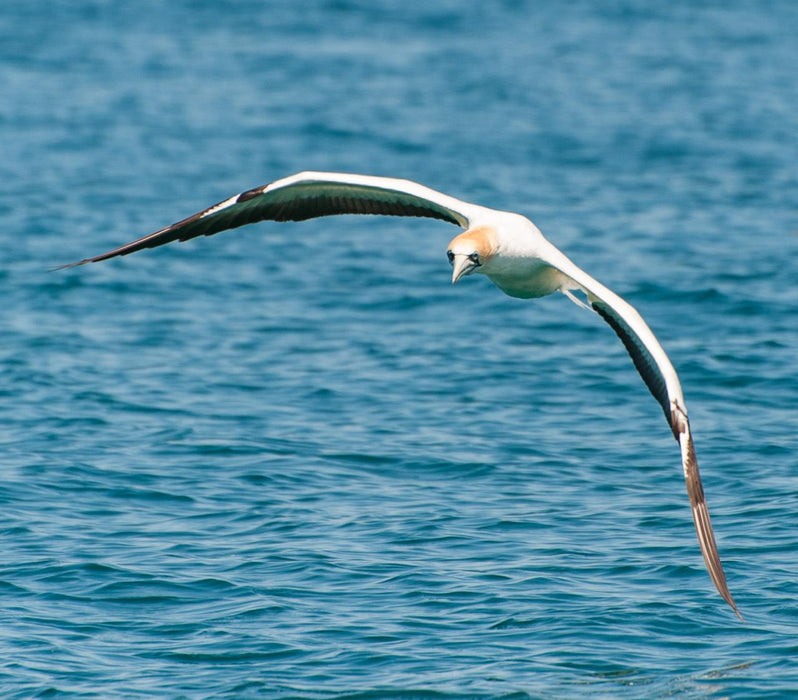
(294, 461)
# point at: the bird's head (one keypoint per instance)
(471, 251)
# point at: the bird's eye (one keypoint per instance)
(474, 258)
(450, 255)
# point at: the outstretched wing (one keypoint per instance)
(306, 196)
(660, 377)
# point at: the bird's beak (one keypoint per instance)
(462, 265)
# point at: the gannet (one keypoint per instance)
(505, 247)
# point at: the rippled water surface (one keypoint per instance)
(292, 460)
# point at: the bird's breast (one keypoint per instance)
(527, 279)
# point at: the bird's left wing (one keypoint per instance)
(660, 377)
(308, 195)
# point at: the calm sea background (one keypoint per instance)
(293, 460)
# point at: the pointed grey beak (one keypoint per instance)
(462, 265)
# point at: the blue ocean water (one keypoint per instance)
(292, 460)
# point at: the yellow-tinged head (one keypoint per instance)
(471, 250)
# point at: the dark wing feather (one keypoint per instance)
(640, 355)
(309, 201)
(301, 197)
(700, 510)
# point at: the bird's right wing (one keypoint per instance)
(308, 195)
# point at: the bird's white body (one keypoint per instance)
(519, 266)
(506, 247)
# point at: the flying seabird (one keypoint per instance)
(506, 247)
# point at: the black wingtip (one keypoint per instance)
(58, 268)
(727, 596)
(124, 250)
(733, 605)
